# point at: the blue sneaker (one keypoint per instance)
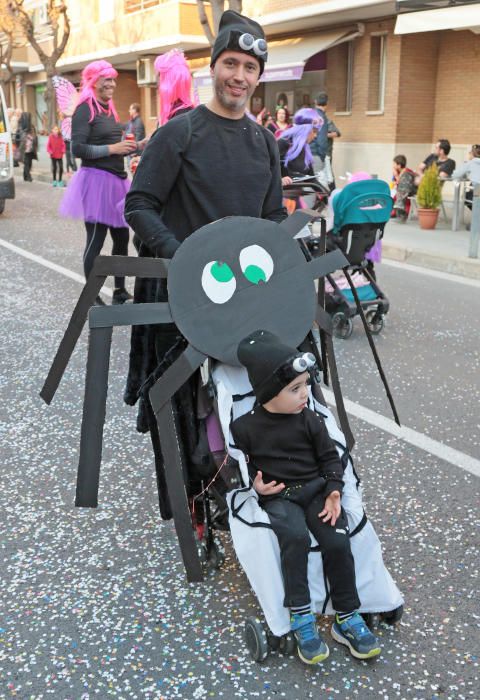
(355, 634)
(310, 646)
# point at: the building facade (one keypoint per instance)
(399, 77)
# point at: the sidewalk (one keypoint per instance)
(441, 249)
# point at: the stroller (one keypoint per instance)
(285, 302)
(361, 211)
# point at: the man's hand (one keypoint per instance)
(332, 508)
(264, 489)
(122, 148)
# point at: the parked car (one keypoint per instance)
(7, 184)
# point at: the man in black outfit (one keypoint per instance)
(203, 165)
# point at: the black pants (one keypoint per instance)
(96, 234)
(291, 524)
(57, 163)
(70, 160)
(27, 166)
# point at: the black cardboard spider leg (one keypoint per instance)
(101, 321)
(103, 267)
(93, 419)
(372, 347)
(294, 223)
(321, 318)
(160, 399)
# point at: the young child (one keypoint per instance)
(56, 150)
(297, 474)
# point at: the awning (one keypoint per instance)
(287, 57)
(459, 17)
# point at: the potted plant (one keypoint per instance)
(429, 198)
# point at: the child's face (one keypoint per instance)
(55, 130)
(293, 398)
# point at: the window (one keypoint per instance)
(137, 5)
(377, 72)
(344, 68)
(153, 103)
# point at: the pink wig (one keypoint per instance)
(90, 76)
(174, 84)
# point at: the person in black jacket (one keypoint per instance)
(200, 166)
(297, 473)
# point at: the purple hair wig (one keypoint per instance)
(174, 84)
(303, 122)
(90, 76)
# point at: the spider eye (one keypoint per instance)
(218, 281)
(256, 264)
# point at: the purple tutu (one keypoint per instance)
(97, 196)
(375, 252)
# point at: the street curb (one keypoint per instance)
(465, 267)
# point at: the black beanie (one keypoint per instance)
(231, 31)
(270, 364)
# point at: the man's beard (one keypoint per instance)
(230, 103)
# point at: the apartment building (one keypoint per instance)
(399, 75)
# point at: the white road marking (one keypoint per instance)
(51, 266)
(413, 437)
(448, 276)
(423, 442)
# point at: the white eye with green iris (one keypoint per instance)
(256, 264)
(218, 281)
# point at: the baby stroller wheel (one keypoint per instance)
(375, 321)
(288, 644)
(256, 639)
(342, 325)
(393, 616)
(371, 620)
(216, 555)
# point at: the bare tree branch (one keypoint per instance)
(218, 7)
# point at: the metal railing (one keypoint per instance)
(475, 225)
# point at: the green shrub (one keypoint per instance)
(429, 194)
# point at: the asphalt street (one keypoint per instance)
(94, 603)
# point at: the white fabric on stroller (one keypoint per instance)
(257, 547)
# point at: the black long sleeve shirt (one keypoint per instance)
(290, 448)
(200, 167)
(90, 140)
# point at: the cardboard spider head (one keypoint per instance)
(237, 275)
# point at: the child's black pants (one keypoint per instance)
(57, 163)
(291, 524)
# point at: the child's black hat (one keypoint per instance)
(270, 364)
(239, 33)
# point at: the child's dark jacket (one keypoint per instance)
(288, 448)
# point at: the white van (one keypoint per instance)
(7, 184)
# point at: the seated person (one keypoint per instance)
(445, 165)
(403, 186)
(470, 170)
(297, 473)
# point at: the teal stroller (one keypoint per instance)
(361, 211)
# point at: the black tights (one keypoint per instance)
(57, 163)
(96, 234)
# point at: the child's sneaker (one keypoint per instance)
(310, 646)
(355, 634)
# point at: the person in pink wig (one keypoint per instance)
(96, 193)
(174, 85)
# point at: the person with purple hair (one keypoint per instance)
(97, 191)
(296, 158)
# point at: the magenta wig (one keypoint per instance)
(90, 75)
(174, 84)
(359, 175)
(303, 122)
